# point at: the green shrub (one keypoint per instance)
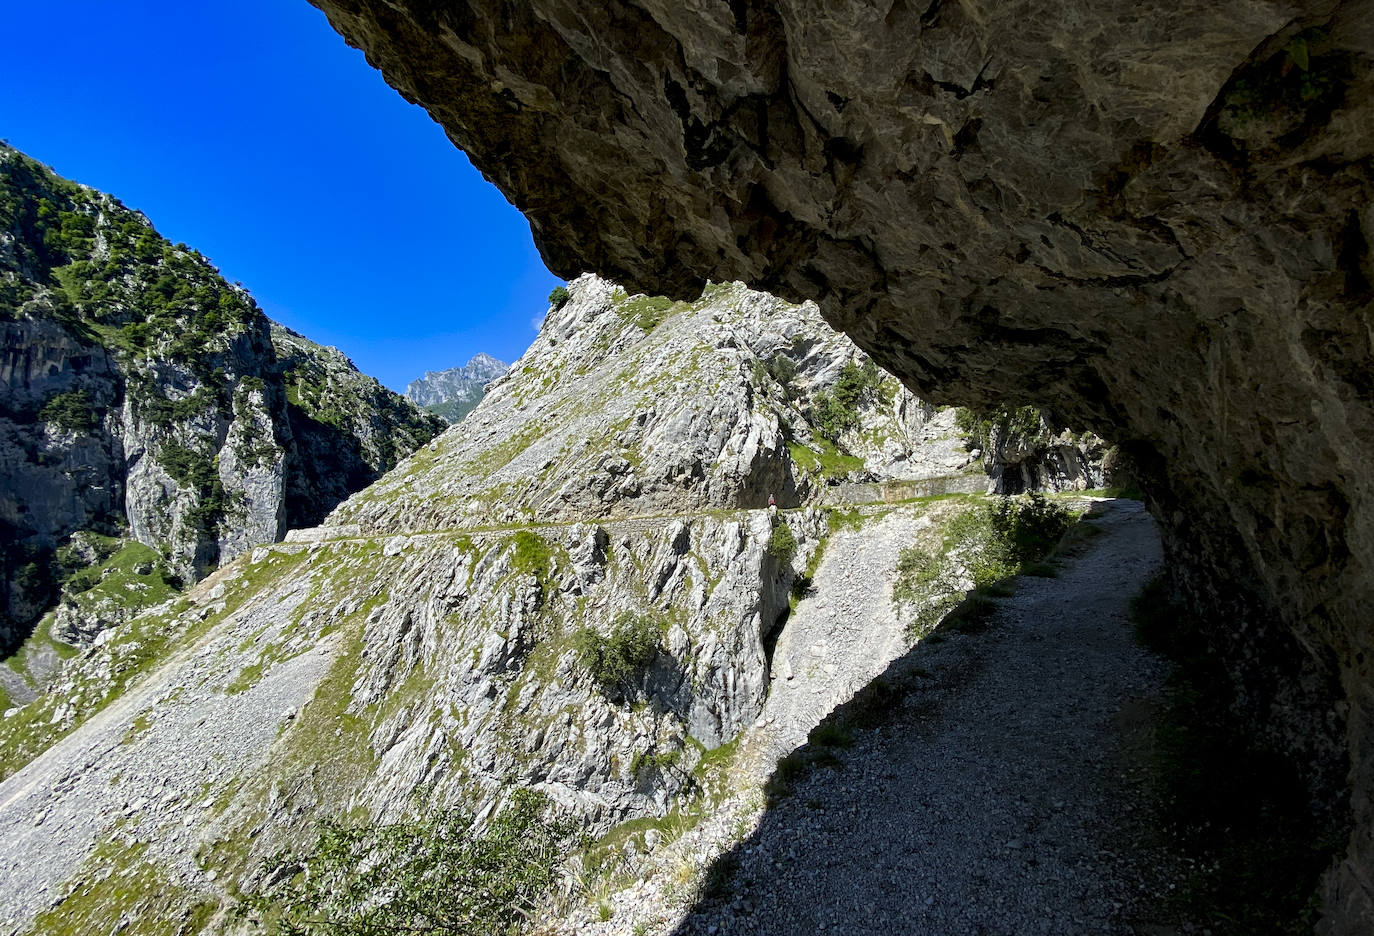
(837, 412)
(618, 659)
(1023, 421)
(1026, 530)
(72, 411)
(558, 296)
(782, 544)
(427, 875)
(661, 760)
(987, 544)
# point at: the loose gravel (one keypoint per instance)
(1005, 792)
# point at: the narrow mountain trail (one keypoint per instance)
(1004, 796)
(1000, 788)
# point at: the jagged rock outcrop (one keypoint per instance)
(627, 405)
(1154, 221)
(429, 641)
(144, 399)
(452, 394)
(348, 429)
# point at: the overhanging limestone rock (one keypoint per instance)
(1154, 221)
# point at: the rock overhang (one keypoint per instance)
(1154, 221)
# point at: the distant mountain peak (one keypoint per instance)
(451, 394)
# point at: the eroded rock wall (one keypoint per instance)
(1155, 220)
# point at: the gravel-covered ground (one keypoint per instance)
(1003, 792)
(1008, 809)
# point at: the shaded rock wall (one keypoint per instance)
(1155, 220)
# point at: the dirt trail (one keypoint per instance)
(1002, 791)
(1003, 800)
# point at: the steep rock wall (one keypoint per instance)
(1154, 220)
(145, 400)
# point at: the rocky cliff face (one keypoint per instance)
(1154, 221)
(433, 637)
(452, 394)
(144, 400)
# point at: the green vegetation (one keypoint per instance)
(558, 296)
(531, 554)
(619, 659)
(826, 459)
(1237, 810)
(779, 369)
(659, 760)
(133, 577)
(647, 311)
(73, 411)
(837, 412)
(1293, 80)
(118, 886)
(782, 543)
(986, 544)
(1022, 421)
(430, 874)
(197, 472)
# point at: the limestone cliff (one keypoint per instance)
(146, 402)
(1153, 220)
(432, 638)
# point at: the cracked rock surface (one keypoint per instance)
(1154, 219)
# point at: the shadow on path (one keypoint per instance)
(987, 783)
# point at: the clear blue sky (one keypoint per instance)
(250, 131)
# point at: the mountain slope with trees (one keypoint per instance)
(153, 422)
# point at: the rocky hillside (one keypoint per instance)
(1153, 219)
(153, 423)
(452, 394)
(574, 589)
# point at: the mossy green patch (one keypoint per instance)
(824, 458)
(648, 312)
(119, 889)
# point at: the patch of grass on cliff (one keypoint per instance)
(134, 578)
(825, 459)
(648, 312)
(120, 889)
(1236, 811)
(532, 554)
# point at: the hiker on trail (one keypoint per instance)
(772, 504)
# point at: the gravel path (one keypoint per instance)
(1004, 797)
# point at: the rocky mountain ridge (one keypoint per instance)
(431, 637)
(1153, 220)
(153, 423)
(452, 394)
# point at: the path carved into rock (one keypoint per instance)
(1006, 799)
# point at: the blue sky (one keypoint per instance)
(249, 130)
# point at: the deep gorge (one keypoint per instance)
(1154, 223)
